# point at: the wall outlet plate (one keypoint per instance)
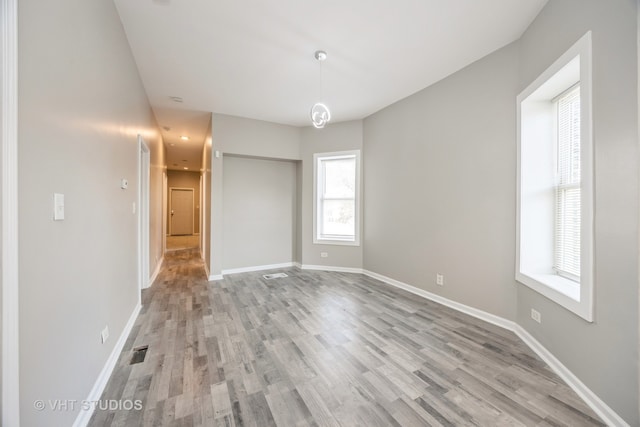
(104, 334)
(324, 254)
(439, 279)
(535, 315)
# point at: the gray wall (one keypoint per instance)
(259, 212)
(186, 179)
(604, 355)
(243, 137)
(439, 175)
(335, 137)
(81, 106)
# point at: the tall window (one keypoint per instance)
(336, 198)
(567, 191)
(555, 234)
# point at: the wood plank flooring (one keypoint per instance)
(324, 349)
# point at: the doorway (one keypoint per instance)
(181, 212)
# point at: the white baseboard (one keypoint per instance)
(608, 415)
(471, 311)
(213, 277)
(154, 276)
(330, 268)
(257, 268)
(101, 382)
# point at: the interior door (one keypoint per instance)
(181, 211)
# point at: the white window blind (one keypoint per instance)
(567, 191)
(337, 198)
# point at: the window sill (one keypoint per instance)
(561, 290)
(336, 242)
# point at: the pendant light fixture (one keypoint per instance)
(320, 113)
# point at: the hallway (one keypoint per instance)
(319, 348)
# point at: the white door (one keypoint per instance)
(181, 211)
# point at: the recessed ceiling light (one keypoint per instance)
(172, 144)
(185, 168)
(184, 138)
(176, 98)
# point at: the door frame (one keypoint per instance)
(9, 231)
(144, 177)
(193, 208)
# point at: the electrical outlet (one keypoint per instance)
(439, 279)
(104, 334)
(535, 315)
(324, 254)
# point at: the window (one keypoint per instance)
(337, 207)
(554, 251)
(567, 190)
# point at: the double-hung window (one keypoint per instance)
(555, 243)
(336, 202)
(567, 190)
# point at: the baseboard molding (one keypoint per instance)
(471, 311)
(257, 268)
(214, 277)
(608, 415)
(330, 268)
(101, 382)
(154, 276)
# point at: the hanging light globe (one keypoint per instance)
(320, 115)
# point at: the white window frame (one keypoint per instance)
(317, 202)
(537, 142)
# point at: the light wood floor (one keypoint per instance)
(320, 348)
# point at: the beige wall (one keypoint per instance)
(82, 106)
(335, 137)
(185, 179)
(156, 202)
(603, 354)
(259, 212)
(439, 179)
(205, 247)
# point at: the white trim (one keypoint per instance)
(531, 268)
(154, 276)
(144, 177)
(84, 416)
(471, 311)
(257, 268)
(330, 268)
(608, 415)
(206, 269)
(215, 277)
(10, 292)
(327, 240)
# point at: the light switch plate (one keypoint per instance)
(58, 207)
(124, 184)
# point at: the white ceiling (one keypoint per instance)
(254, 58)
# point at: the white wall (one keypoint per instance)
(439, 186)
(603, 354)
(81, 107)
(334, 137)
(259, 212)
